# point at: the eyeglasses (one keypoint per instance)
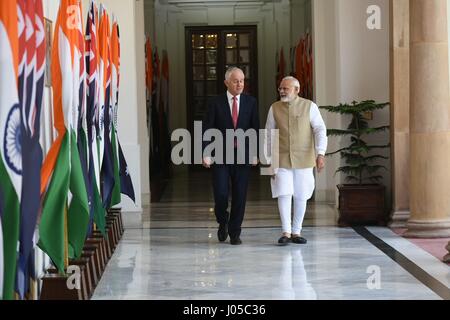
(284, 88)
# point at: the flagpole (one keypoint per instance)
(66, 241)
(30, 294)
(33, 289)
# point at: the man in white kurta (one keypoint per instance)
(301, 147)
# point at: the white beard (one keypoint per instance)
(287, 99)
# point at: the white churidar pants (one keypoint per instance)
(288, 183)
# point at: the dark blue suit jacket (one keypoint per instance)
(219, 117)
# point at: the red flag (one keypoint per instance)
(281, 66)
(299, 66)
(149, 68)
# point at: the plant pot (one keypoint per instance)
(361, 205)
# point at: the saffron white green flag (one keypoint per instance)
(10, 151)
(78, 215)
(56, 170)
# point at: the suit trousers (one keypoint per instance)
(235, 176)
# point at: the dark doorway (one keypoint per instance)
(209, 52)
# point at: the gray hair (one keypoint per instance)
(230, 70)
(294, 80)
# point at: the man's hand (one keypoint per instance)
(274, 175)
(320, 163)
(206, 162)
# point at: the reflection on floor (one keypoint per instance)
(172, 252)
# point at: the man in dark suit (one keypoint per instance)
(232, 110)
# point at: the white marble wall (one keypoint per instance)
(352, 63)
(448, 19)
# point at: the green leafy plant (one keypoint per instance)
(361, 166)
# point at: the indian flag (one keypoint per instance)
(78, 215)
(56, 169)
(11, 154)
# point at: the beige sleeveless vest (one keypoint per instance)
(296, 144)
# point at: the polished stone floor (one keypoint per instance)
(170, 251)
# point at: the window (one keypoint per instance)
(209, 53)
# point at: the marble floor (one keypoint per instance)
(171, 252)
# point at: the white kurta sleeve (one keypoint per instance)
(319, 129)
(269, 137)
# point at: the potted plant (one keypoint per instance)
(361, 199)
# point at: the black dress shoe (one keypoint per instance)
(235, 241)
(222, 233)
(299, 240)
(284, 240)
